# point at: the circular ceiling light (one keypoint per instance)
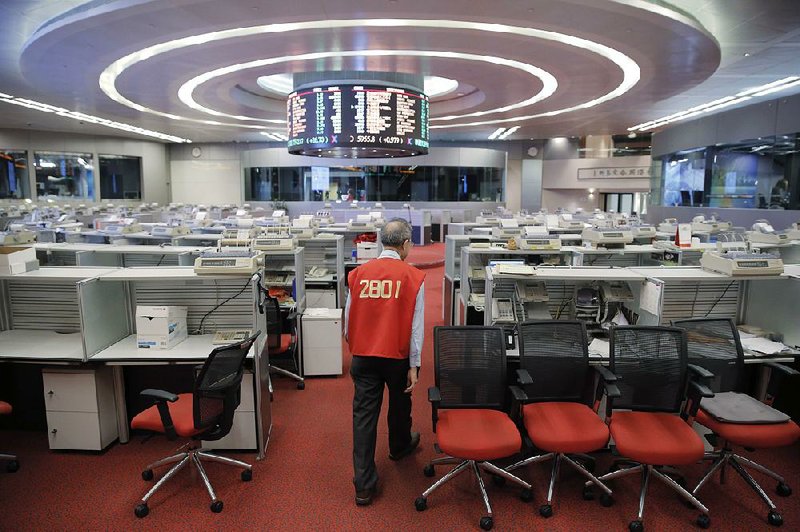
(630, 69)
(282, 84)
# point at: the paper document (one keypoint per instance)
(745, 335)
(762, 345)
(650, 298)
(599, 348)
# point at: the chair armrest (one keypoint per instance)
(291, 316)
(700, 372)
(160, 397)
(518, 398)
(435, 397)
(518, 393)
(786, 370)
(606, 374)
(701, 389)
(611, 390)
(523, 377)
(695, 393)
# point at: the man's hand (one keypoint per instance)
(413, 374)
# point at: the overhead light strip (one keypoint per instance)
(508, 133)
(83, 117)
(496, 133)
(720, 103)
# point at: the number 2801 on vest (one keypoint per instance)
(374, 289)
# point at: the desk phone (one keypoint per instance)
(277, 278)
(317, 271)
(231, 336)
(503, 310)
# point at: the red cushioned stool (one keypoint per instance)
(470, 377)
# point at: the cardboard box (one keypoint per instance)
(15, 260)
(160, 327)
(366, 250)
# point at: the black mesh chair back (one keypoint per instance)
(556, 355)
(470, 366)
(714, 344)
(272, 312)
(217, 388)
(651, 365)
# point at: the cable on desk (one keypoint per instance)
(200, 327)
(720, 298)
(159, 260)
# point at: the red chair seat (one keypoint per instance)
(757, 436)
(182, 417)
(564, 427)
(477, 434)
(5, 408)
(286, 343)
(655, 438)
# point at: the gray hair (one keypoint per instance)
(395, 232)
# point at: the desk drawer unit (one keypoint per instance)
(80, 408)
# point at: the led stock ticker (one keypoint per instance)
(357, 121)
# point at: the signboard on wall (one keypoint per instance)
(628, 172)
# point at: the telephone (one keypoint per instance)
(477, 300)
(503, 310)
(276, 278)
(231, 336)
(535, 292)
(317, 271)
(616, 292)
(478, 274)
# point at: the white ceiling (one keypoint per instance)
(688, 52)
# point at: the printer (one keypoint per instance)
(763, 233)
(607, 238)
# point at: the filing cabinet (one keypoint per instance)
(322, 341)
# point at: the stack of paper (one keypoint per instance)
(764, 346)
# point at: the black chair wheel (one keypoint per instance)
(546, 510)
(703, 521)
(526, 495)
(774, 518)
(783, 489)
(247, 475)
(498, 481)
(147, 474)
(428, 470)
(588, 493)
(636, 526)
(301, 385)
(606, 500)
(421, 504)
(141, 510)
(487, 523)
(13, 467)
(216, 507)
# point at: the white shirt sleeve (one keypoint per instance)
(417, 330)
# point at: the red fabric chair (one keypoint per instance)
(560, 415)
(714, 344)
(12, 464)
(655, 430)
(467, 401)
(204, 414)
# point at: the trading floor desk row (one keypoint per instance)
(79, 325)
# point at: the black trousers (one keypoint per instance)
(370, 375)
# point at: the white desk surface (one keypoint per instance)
(22, 344)
(695, 273)
(195, 348)
(148, 273)
(111, 248)
(628, 249)
(568, 273)
(328, 278)
(200, 237)
(60, 273)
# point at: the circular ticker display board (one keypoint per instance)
(348, 120)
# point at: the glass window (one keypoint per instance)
(13, 174)
(120, 177)
(684, 179)
(64, 175)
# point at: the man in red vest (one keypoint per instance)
(384, 326)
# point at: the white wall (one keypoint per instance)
(553, 199)
(155, 167)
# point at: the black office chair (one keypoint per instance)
(282, 341)
(204, 414)
(467, 408)
(735, 417)
(654, 430)
(560, 410)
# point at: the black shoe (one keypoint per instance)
(408, 450)
(364, 497)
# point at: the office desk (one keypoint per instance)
(41, 347)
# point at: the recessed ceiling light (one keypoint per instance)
(632, 135)
(747, 54)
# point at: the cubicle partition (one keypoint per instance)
(324, 263)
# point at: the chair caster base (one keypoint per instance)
(421, 504)
(498, 481)
(636, 526)
(774, 518)
(12, 466)
(487, 523)
(526, 495)
(216, 506)
(147, 474)
(703, 521)
(141, 510)
(546, 510)
(247, 475)
(301, 385)
(606, 500)
(428, 470)
(783, 489)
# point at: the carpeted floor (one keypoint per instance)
(305, 481)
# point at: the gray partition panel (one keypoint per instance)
(44, 306)
(94, 258)
(773, 305)
(104, 313)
